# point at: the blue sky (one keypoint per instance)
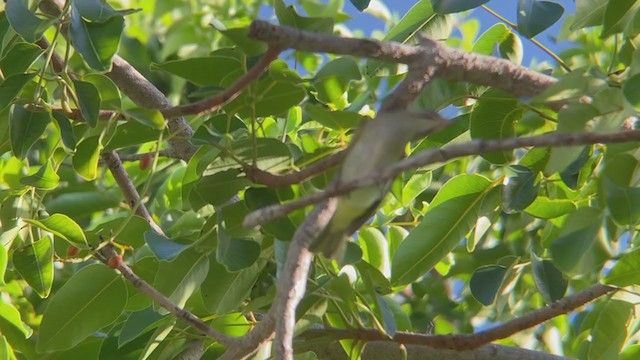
(506, 8)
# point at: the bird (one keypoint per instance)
(377, 143)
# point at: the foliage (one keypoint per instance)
(455, 247)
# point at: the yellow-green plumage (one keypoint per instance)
(376, 145)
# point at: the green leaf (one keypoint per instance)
(24, 22)
(610, 330)
(222, 186)
(507, 41)
(98, 10)
(272, 155)
(548, 279)
(630, 352)
(82, 203)
(224, 291)
(234, 253)
(44, 179)
(66, 131)
(455, 6)
(631, 90)
(578, 235)
(451, 216)
(338, 120)
(333, 79)
(162, 247)
(258, 197)
(520, 189)
(589, 13)
(138, 323)
(85, 160)
(131, 133)
(62, 226)
(626, 271)
(372, 276)
(419, 19)
(545, 208)
(494, 116)
(89, 101)
(11, 315)
(360, 4)
(229, 65)
(96, 42)
(3, 251)
(571, 119)
(180, 278)
(11, 87)
(148, 117)
(622, 203)
(417, 184)
(239, 35)
(375, 249)
(287, 15)
(571, 87)
(34, 262)
(617, 15)
(92, 299)
(19, 58)
(535, 16)
(26, 128)
(109, 92)
(485, 283)
(132, 233)
(272, 95)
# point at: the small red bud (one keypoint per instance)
(115, 261)
(145, 161)
(72, 251)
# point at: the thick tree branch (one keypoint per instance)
(446, 62)
(291, 288)
(146, 95)
(432, 156)
(293, 280)
(461, 342)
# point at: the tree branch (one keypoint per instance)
(461, 342)
(180, 313)
(446, 62)
(259, 176)
(432, 156)
(230, 93)
(146, 95)
(129, 191)
(293, 280)
(376, 350)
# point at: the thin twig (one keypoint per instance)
(129, 191)
(230, 93)
(432, 156)
(259, 176)
(193, 321)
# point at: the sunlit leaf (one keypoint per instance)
(62, 226)
(34, 262)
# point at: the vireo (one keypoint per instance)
(377, 144)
